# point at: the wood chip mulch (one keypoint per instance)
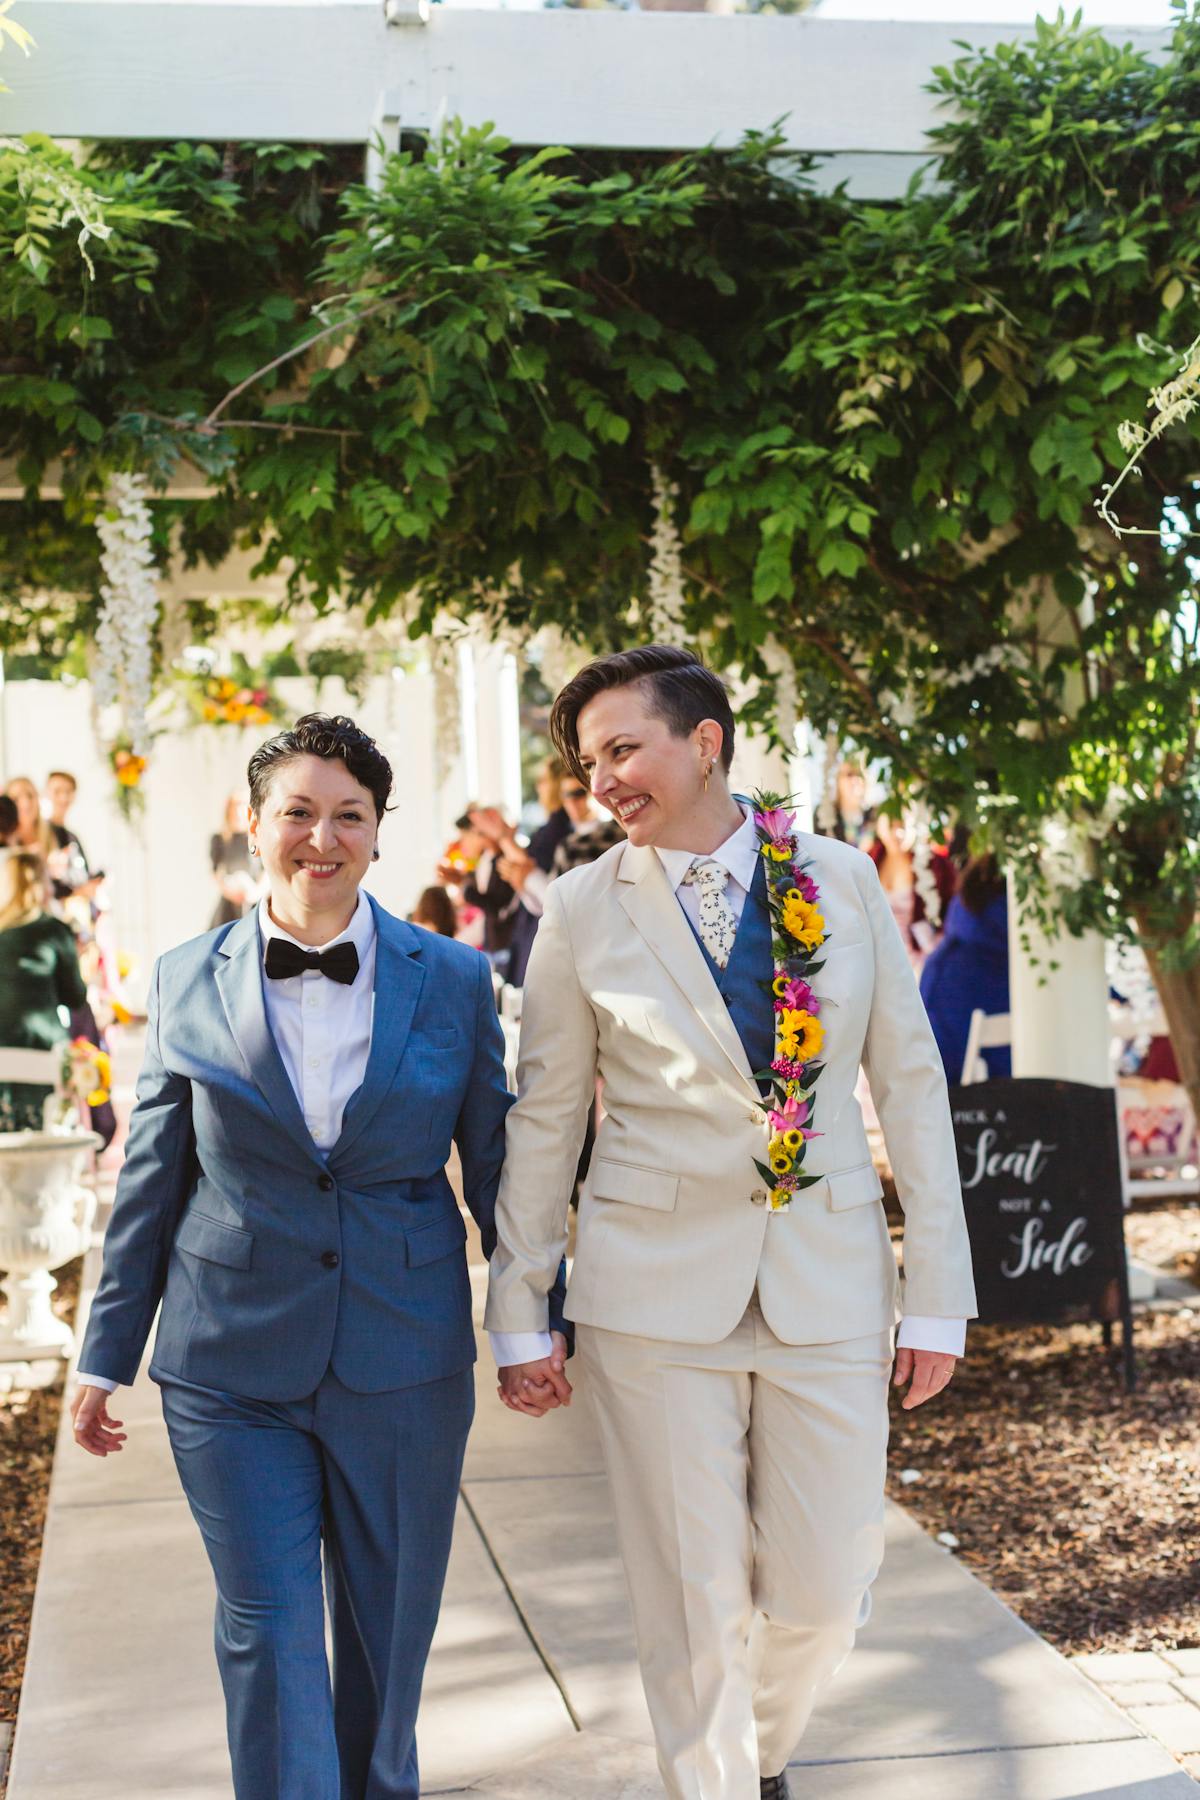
(1077, 1503)
(28, 1426)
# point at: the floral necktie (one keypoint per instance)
(718, 922)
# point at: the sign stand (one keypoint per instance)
(1044, 1195)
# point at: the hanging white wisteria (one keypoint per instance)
(665, 598)
(447, 704)
(123, 666)
(558, 657)
(787, 706)
(922, 855)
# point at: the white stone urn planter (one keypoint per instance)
(46, 1215)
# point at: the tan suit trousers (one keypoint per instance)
(747, 1480)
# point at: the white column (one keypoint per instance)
(497, 726)
(1061, 1028)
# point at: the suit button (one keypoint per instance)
(325, 1183)
(330, 1258)
(759, 1197)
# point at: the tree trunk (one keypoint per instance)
(1179, 991)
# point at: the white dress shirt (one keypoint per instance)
(738, 855)
(322, 1030)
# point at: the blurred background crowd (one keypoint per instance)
(63, 977)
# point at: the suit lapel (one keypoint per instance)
(240, 985)
(399, 978)
(647, 896)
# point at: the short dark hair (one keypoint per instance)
(680, 690)
(336, 740)
(9, 817)
(63, 775)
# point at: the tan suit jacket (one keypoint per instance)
(674, 1231)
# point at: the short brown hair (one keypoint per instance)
(335, 740)
(680, 690)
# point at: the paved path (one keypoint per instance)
(532, 1691)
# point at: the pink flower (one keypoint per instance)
(777, 825)
(799, 995)
(791, 1071)
(808, 888)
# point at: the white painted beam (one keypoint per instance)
(188, 483)
(325, 71)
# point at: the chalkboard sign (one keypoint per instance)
(1041, 1179)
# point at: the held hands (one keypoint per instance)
(929, 1372)
(538, 1387)
(95, 1431)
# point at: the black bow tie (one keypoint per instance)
(339, 962)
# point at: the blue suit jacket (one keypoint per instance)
(275, 1261)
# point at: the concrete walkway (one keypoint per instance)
(532, 1691)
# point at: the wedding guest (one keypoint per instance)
(854, 820)
(61, 792)
(485, 887)
(968, 970)
(233, 871)
(435, 911)
(591, 834)
(34, 832)
(308, 1070)
(39, 972)
(891, 851)
(528, 869)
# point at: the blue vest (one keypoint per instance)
(745, 982)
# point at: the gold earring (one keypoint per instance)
(707, 773)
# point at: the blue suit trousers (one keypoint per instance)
(372, 1480)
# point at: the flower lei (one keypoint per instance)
(797, 933)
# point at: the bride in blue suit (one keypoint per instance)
(284, 1197)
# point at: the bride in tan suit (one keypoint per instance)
(735, 1321)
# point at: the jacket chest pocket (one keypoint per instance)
(653, 1188)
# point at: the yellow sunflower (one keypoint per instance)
(802, 921)
(810, 1036)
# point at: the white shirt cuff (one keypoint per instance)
(510, 1347)
(947, 1336)
(100, 1381)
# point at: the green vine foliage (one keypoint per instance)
(887, 423)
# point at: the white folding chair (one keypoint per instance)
(39, 1068)
(988, 1031)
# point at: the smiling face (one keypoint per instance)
(315, 835)
(60, 797)
(650, 780)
